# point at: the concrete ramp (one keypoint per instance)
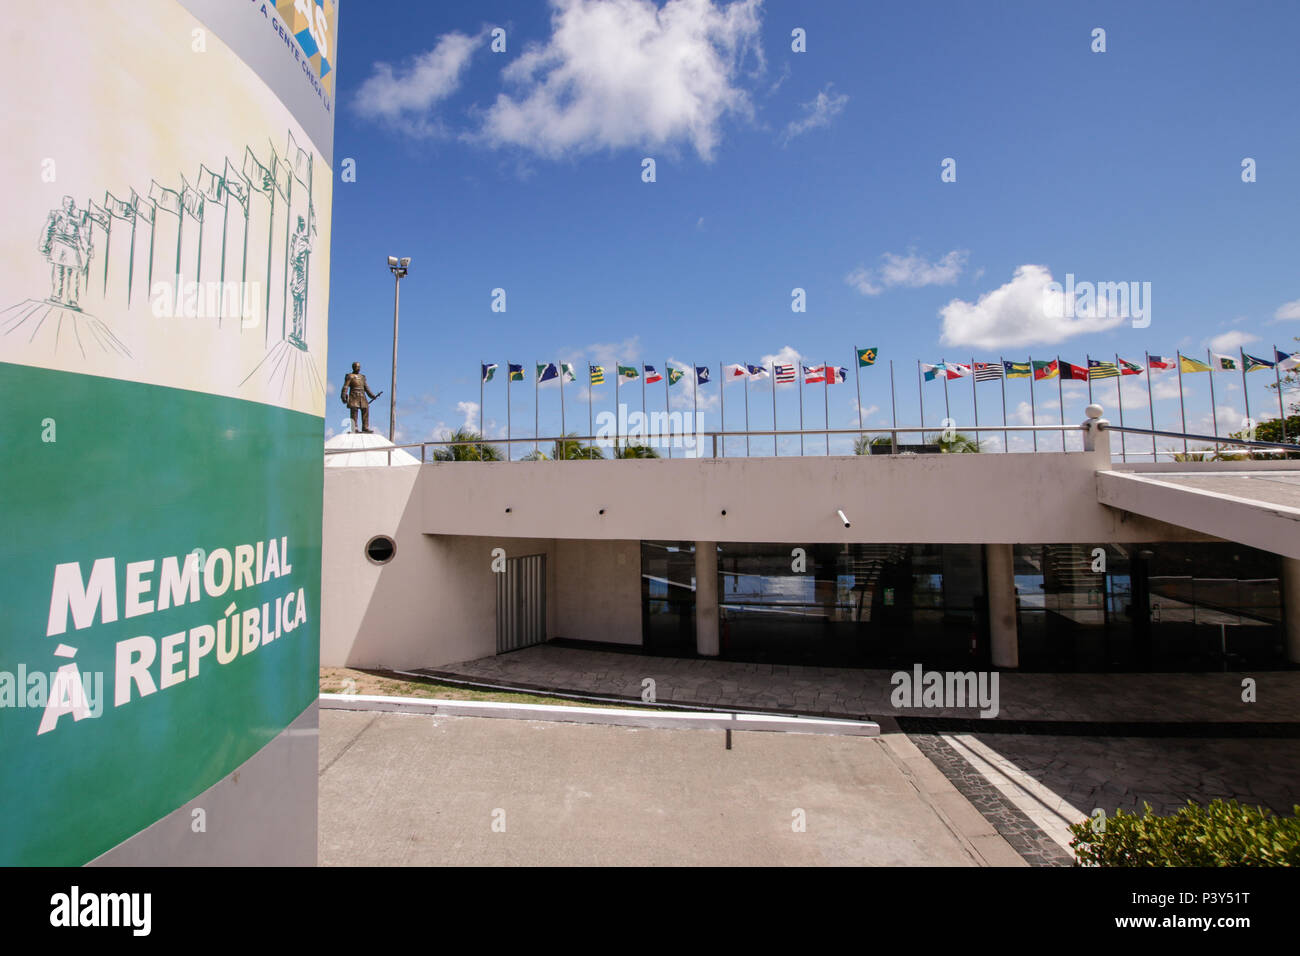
(1258, 508)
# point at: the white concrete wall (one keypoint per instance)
(598, 591)
(433, 604)
(1004, 498)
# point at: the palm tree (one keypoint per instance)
(467, 452)
(567, 448)
(958, 444)
(634, 451)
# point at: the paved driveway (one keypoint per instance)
(400, 789)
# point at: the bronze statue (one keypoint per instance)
(356, 395)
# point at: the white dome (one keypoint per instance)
(373, 454)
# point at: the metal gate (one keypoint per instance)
(521, 603)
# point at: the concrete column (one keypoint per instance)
(1291, 607)
(1000, 563)
(706, 598)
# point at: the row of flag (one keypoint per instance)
(790, 373)
(1098, 369)
(785, 374)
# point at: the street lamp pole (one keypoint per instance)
(398, 267)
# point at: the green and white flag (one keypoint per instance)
(489, 371)
(627, 373)
(675, 375)
(1225, 363)
(567, 373)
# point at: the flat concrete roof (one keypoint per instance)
(1260, 509)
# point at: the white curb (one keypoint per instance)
(622, 717)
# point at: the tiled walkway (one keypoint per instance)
(1091, 698)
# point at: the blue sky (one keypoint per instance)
(819, 170)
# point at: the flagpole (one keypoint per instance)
(826, 402)
(746, 383)
(481, 374)
(947, 409)
(1151, 407)
(1060, 394)
(270, 229)
(108, 242)
(563, 447)
(1182, 408)
(800, 368)
(776, 452)
(644, 420)
(1088, 363)
(722, 399)
(536, 412)
(668, 413)
(1002, 371)
(1277, 375)
(1245, 394)
(1214, 412)
(221, 308)
(510, 448)
(857, 383)
(920, 391)
(695, 403)
(130, 266)
(1033, 412)
(618, 383)
(591, 436)
(974, 395)
(893, 409)
(1119, 397)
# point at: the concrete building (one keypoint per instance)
(1045, 561)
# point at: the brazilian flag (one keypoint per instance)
(675, 375)
(867, 357)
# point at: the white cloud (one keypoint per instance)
(405, 98)
(1288, 310)
(470, 411)
(910, 271)
(1229, 342)
(819, 111)
(1024, 311)
(624, 73)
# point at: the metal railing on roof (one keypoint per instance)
(697, 441)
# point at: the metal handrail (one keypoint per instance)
(1213, 439)
(606, 441)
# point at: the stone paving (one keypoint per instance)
(1122, 772)
(1091, 698)
(1033, 845)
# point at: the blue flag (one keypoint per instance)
(701, 374)
(547, 371)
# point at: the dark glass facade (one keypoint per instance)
(1161, 606)
(1174, 607)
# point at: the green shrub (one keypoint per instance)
(1221, 834)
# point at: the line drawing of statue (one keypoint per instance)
(66, 243)
(300, 248)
